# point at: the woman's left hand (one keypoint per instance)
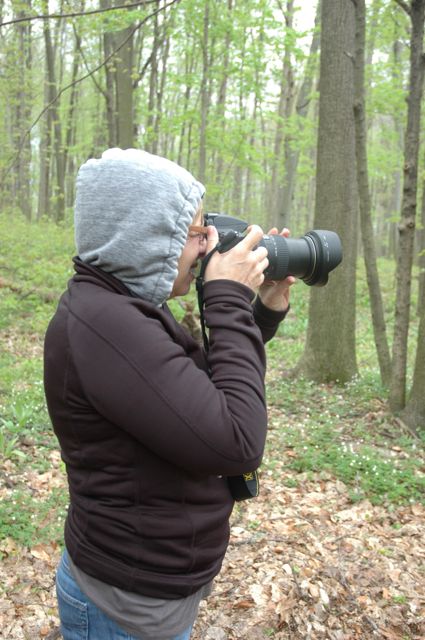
(274, 294)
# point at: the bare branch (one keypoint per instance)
(84, 77)
(83, 58)
(404, 6)
(59, 16)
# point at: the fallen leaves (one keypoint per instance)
(306, 565)
(314, 568)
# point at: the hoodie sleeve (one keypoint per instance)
(137, 377)
(267, 320)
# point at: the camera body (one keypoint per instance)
(309, 258)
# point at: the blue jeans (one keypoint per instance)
(81, 619)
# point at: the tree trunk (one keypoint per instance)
(189, 65)
(292, 153)
(59, 185)
(22, 116)
(124, 88)
(396, 195)
(162, 83)
(406, 227)
(205, 96)
(377, 307)
(413, 413)
(330, 352)
(71, 125)
(221, 103)
(119, 93)
(284, 110)
(150, 143)
(110, 96)
(421, 258)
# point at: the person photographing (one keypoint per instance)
(150, 425)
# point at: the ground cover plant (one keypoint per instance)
(332, 548)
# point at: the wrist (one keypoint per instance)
(279, 305)
(269, 310)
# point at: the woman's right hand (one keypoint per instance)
(242, 263)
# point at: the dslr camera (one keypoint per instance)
(309, 258)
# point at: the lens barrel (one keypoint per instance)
(309, 258)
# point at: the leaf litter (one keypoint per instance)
(304, 562)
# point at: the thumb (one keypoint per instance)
(212, 238)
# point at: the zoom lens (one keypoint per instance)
(309, 258)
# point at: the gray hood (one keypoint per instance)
(132, 213)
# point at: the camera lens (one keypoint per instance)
(310, 258)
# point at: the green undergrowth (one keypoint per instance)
(30, 520)
(342, 430)
(345, 431)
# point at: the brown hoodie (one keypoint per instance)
(147, 436)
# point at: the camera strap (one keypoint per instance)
(200, 291)
(247, 485)
(226, 243)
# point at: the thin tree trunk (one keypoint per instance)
(22, 115)
(161, 87)
(110, 96)
(291, 152)
(421, 258)
(150, 142)
(396, 193)
(413, 413)
(377, 307)
(124, 88)
(189, 65)
(221, 102)
(59, 187)
(205, 97)
(284, 111)
(406, 227)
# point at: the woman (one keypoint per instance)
(150, 426)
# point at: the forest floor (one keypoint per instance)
(334, 546)
(304, 562)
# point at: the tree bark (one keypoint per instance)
(58, 193)
(71, 125)
(166, 43)
(377, 307)
(421, 257)
(22, 116)
(292, 153)
(284, 110)
(205, 96)
(406, 227)
(119, 93)
(189, 66)
(330, 352)
(413, 413)
(221, 102)
(124, 88)
(153, 84)
(110, 97)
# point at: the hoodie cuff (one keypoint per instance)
(268, 317)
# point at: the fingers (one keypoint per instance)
(274, 232)
(212, 238)
(253, 237)
(259, 255)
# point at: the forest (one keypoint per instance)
(306, 115)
